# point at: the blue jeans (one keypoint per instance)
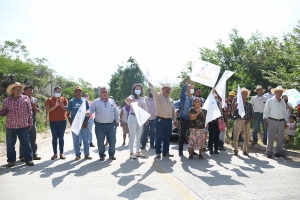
(108, 130)
(11, 139)
(32, 136)
(152, 125)
(58, 131)
(90, 127)
(86, 145)
(259, 119)
(163, 132)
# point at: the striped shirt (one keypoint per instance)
(18, 112)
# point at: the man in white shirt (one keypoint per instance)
(274, 118)
(258, 103)
(269, 95)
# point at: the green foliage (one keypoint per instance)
(175, 93)
(121, 82)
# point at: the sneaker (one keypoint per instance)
(92, 145)
(77, 158)
(37, 158)
(140, 155)
(191, 157)
(168, 155)
(88, 157)
(29, 163)
(62, 156)
(132, 156)
(158, 156)
(11, 164)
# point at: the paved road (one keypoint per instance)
(220, 176)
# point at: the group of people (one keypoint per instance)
(272, 110)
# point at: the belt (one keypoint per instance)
(279, 120)
(258, 112)
(163, 118)
(98, 124)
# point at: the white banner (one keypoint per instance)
(147, 75)
(240, 103)
(205, 73)
(140, 114)
(212, 108)
(79, 118)
(221, 86)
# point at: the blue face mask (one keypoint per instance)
(217, 100)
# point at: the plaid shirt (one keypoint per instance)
(248, 112)
(18, 112)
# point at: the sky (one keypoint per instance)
(89, 39)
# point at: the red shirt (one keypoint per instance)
(18, 112)
(58, 114)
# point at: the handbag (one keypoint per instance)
(221, 124)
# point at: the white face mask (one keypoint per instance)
(57, 94)
(192, 91)
(137, 92)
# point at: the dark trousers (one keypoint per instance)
(163, 132)
(214, 134)
(58, 131)
(32, 136)
(11, 139)
(182, 132)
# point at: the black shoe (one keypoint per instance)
(246, 154)
(142, 147)
(80, 144)
(195, 154)
(200, 157)
(152, 147)
(222, 148)
(279, 155)
(22, 159)
(269, 156)
(211, 152)
(265, 143)
(217, 152)
(112, 157)
(235, 153)
(191, 157)
(92, 145)
(180, 153)
(29, 163)
(168, 155)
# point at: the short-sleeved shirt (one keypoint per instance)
(199, 122)
(74, 105)
(58, 114)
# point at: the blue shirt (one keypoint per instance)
(105, 112)
(74, 105)
(186, 103)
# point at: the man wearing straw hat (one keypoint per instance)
(274, 118)
(18, 111)
(165, 113)
(243, 123)
(258, 103)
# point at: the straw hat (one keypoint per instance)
(245, 90)
(163, 85)
(232, 93)
(279, 87)
(259, 87)
(11, 86)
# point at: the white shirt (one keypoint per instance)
(288, 112)
(268, 95)
(275, 109)
(258, 103)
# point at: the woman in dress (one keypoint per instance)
(197, 126)
(135, 130)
